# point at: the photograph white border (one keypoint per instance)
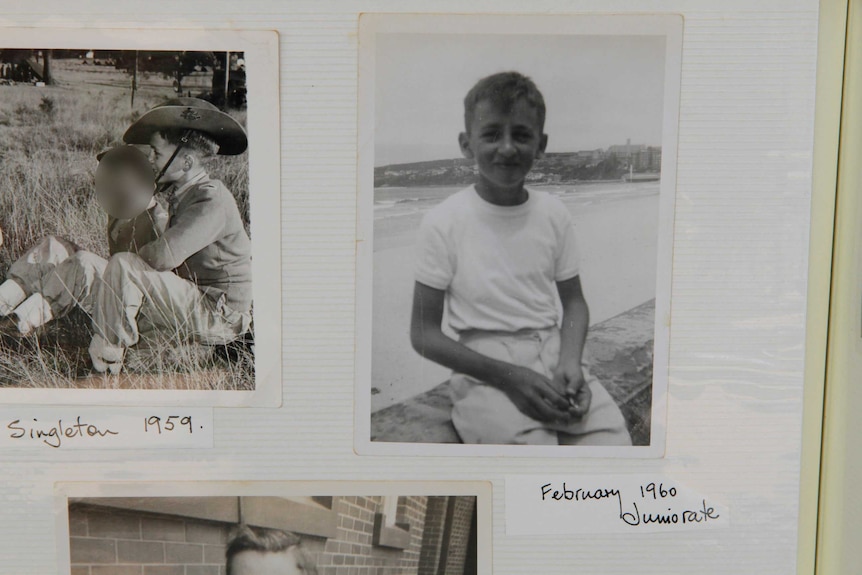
(482, 490)
(262, 65)
(670, 26)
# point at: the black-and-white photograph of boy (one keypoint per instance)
(127, 258)
(516, 210)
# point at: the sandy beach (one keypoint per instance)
(617, 233)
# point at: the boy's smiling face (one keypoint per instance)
(504, 143)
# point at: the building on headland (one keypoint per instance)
(611, 163)
(590, 158)
(653, 158)
(640, 157)
(625, 151)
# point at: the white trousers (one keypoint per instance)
(49, 280)
(482, 413)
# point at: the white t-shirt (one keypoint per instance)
(497, 264)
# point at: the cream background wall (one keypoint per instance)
(739, 290)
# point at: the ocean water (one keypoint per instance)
(398, 210)
(397, 201)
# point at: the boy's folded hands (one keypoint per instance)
(569, 379)
(563, 399)
(579, 401)
(535, 396)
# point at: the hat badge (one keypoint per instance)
(190, 115)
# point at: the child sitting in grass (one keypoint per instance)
(194, 281)
(54, 276)
(503, 259)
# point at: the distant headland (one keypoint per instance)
(617, 162)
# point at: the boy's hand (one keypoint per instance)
(535, 396)
(569, 378)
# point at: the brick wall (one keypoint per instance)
(459, 536)
(351, 551)
(433, 535)
(121, 543)
(436, 537)
(413, 511)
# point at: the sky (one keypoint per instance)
(599, 90)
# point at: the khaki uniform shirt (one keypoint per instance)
(129, 235)
(205, 242)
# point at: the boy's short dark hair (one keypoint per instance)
(265, 540)
(197, 141)
(503, 90)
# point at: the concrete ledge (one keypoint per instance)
(619, 353)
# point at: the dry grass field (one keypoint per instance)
(49, 138)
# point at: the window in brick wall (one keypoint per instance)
(390, 510)
(388, 530)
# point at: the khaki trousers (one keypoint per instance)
(133, 298)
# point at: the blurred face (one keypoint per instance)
(160, 152)
(263, 563)
(122, 192)
(124, 183)
(504, 144)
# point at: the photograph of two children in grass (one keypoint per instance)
(126, 252)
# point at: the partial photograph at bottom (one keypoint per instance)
(388, 532)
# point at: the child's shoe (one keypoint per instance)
(106, 357)
(11, 296)
(33, 313)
